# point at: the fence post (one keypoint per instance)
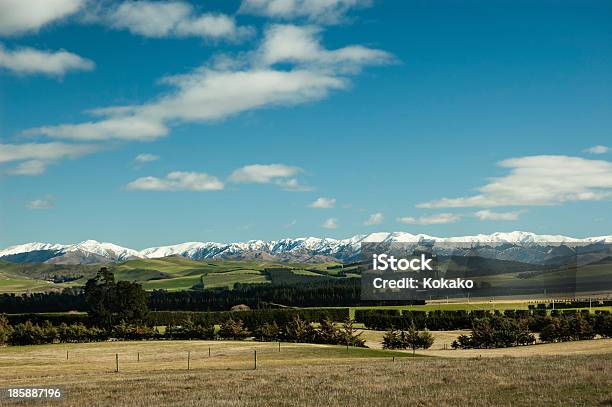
(279, 346)
(209, 351)
(393, 359)
(116, 362)
(188, 359)
(254, 360)
(138, 357)
(66, 355)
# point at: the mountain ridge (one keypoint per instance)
(288, 249)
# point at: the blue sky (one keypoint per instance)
(452, 118)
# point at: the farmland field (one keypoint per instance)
(170, 273)
(301, 374)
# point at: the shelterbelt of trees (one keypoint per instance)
(119, 310)
(437, 320)
(327, 293)
(296, 330)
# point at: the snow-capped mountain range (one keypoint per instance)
(299, 249)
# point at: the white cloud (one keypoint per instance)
(145, 158)
(539, 180)
(321, 11)
(293, 185)
(124, 128)
(374, 219)
(323, 203)
(43, 151)
(43, 203)
(439, 219)
(34, 158)
(302, 45)
(28, 61)
(29, 168)
(290, 224)
(598, 150)
(21, 16)
(486, 214)
(331, 223)
(177, 181)
(158, 19)
(279, 174)
(217, 91)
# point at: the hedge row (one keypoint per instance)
(571, 304)
(450, 320)
(501, 332)
(251, 319)
(294, 330)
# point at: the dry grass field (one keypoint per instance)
(300, 375)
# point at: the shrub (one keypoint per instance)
(27, 334)
(410, 339)
(5, 330)
(350, 336)
(328, 333)
(233, 330)
(496, 332)
(268, 332)
(298, 330)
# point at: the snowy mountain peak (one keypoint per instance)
(302, 249)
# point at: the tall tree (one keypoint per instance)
(99, 296)
(109, 301)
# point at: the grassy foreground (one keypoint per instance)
(301, 374)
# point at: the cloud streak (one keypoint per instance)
(222, 89)
(438, 219)
(487, 214)
(145, 158)
(157, 19)
(30, 61)
(323, 203)
(374, 219)
(598, 150)
(22, 16)
(331, 223)
(43, 203)
(539, 180)
(34, 158)
(322, 12)
(177, 181)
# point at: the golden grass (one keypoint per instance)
(443, 339)
(301, 374)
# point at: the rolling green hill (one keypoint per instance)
(170, 273)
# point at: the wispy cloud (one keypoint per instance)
(177, 181)
(281, 175)
(539, 180)
(438, 219)
(263, 173)
(144, 158)
(322, 12)
(374, 219)
(302, 45)
(331, 223)
(43, 203)
(28, 168)
(30, 61)
(487, 214)
(598, 150)
(290, 224)
(21, 16)
(158, 19)
(234, 85)
(323, 203)
(33, 158)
